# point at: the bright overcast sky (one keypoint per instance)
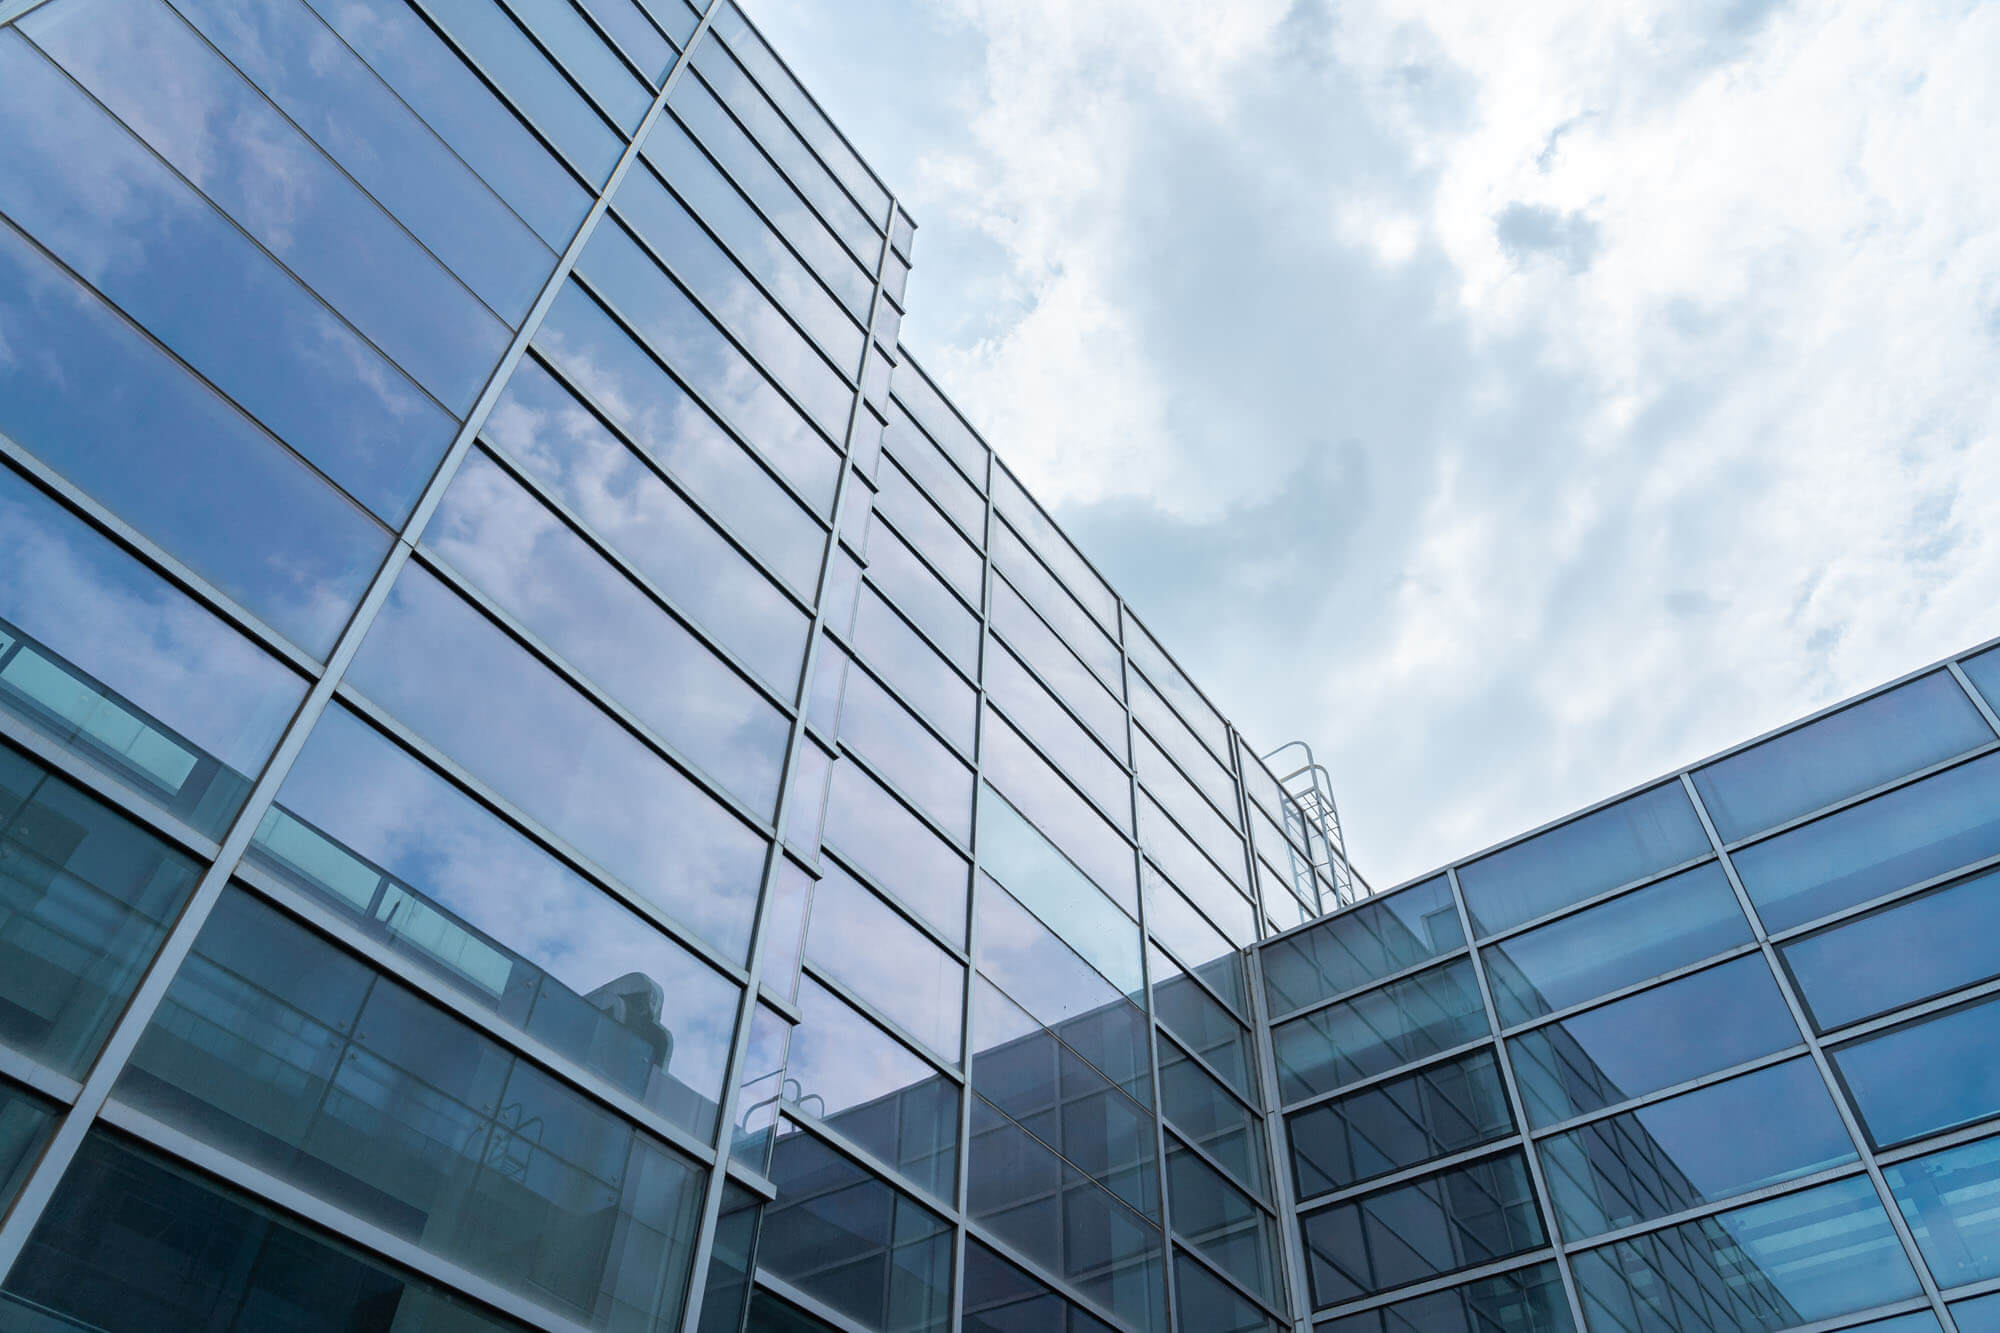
(1514, 401)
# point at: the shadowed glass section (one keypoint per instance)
(1755, 1269)
(1398, 1124)
(1387, 934)
(1527, 1300)
(1926, 1077)
(132, 1245)
(1913, 951)
(1399, 1024)
(1001, 1298)
(1948, 1199)
(1197, 1021)
(1207, 1115)
(1210, 1305)
(296, 1057)
(1900, 731)
(726, 1290)
(1224, 1223)
(26, 1125)
(1639, 836)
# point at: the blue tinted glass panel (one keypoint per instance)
(858, 941)
(635, 35)
(1076, 574)
(726, 1289)
(1016, 854)
(1910, 727)
(1370, 1034)
(1201, 1023)
(526, 77)
(456, 680)
(1678, 921)
(126, 423)
(1669, 1156)
(1527, 1300)
(589, 60)
(1469, 1215)
(1769, 1266)
(929, 410)
(1055, 603)
(1927, 1077)
(1207, 1115)
(1182, 861)
(1385, 935)
(425, 870)
(1981, 1315)
(940, 478)
(1399, 1124)
(897, 850)
(1223, 1223)
(1917, 949)
(1000, 1298)
(1196, 943)
(1209, 1305)
(1948, 1200)
(1068, 820)
(923, 597)
(1905, 836)
(1984, 673)
(1044, 720)
(1639, 836)
(1655, 1039)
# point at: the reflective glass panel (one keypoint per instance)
(914, 669)
(1979, 1315)
(1176, 738)
(1399, 1124)
(1207, 1115)
(921, 523)
(635, 35)
(1199, 1022)
(1910, 727)
(1638, 836)
(1056, 552)
(1055, 603)
(1984, 673)
(534, 85)
(860, 942)
(589, 60)
(1064, 672)
(1669, 1156)
(1655, 1039)
(760, 1092)
(1402, 1022)
(884, 841)
(875, 725)
(1195, 942)
(1223, 1223)
(1001, 1298)
(1926, 1077)
(1917, 949)
(1384, 935)
(1034, 788)
(726, 1290)
(1764, 1267)
(1210, 831)
(940, 478)
(1194, 711)
(1210, 1305)
(1183, 861)
(1948, 1199)
(26, 1125)
(421, 867)
(940, 421)
(919, 594)
(456, 680)
(1527, 1300)
(1030, 867)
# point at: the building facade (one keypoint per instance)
(549, 779)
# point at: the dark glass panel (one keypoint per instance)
(456, 680)
(1198, 1022)
(115, 214)
(1468, 1215)
(86, 897)
(1206, 1114)
(1033, 787)
(1224, 1223)
(1210, 1305)
(914, 669)
(126, 423)
(420, 866)
(726, 1290)
(1902, 837)
(1527, 1300)
(883, 840)
(1372, 1033)
(131, 1245)
(1016, 854)
(27, 1123)
(1755, 1269)
(857, 940)
(1926, 1077)
(875, 725)
(1917, 949)
(1041, 648)
(1680, 920)
(1384, 935)
(1655, 1039)
(279, 1049)
(1001, 1298)
(843, 1236)
(1400, 1123)
(1947, 1198)
(1729, 1138)
(1638, 836)
(1865, 745)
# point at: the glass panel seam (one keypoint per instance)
(1313, 1203)
(1980, 1129)
(1715, 1207)
(1443, 1057)
(1626, 992)
(128, 800)
(1513, 1263)
(1881, 789)
(32, 1073)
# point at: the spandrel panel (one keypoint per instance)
(1768, 1266)
(1202, 1024)
(130, 1244)
(166, 257)
(1922, 947)
(1669, 1157)
(860, 942)
(595, 354)
(1064, 817)
(1925, 1077)
(876, 726)
(1035, 872)
(1655, 1039)
(127, 424)
(278, 1048)
(1065, 673)
(882, 839)
(128, 673)
(1899, 838)
(1947, 1198)
(578, 48)
(213, 127)
(1207, 1115)
(547, 432)
(456, 680)
(1223, 1223)
(1527, 1300)
(420, 866)
(1638, 836)
(1404, 1122)
(1680, 920)
(940, 478)
(86, 897)
(1878, 740)
(914, 669)
(538, 570)
(1372, 1033)
(1388, 934)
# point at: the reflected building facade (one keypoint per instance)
(549, 779)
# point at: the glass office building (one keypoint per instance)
(549, 779)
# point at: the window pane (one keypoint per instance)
(1468, 1215)
(1769, 1266)
(1221, 1221)
(1917, 949)
(1948, 1199)
(1527, 1300)
(876, 726)
(1055, 604)
(421, 867)
(927, 530)
(1020, 858)
(1000, 1298)
(939, 421)
(1694, 1149)
(1927, 1077)
(1183, 862)
(1639, 836)
(27, 1123)
(1910, 727)
(1680, 920)
(86, 897)
(1195, 712)
(1198, 1022)
(1209, 1305)
(916, 671)
(1399, 1124)
(761, 1089)
(920, 595)
(1034, 788)
(1984, 673)
(1042, 649)
(1655, 1039)
(1911, 834)
(635, 35)
(584, 54)
(1204, 1113)
(1980, 1315)
(278, 1048)
(168, 259)
(940, 478)
(860, 942)
(726, 1290)
(1057, 552)
(1402, 1022)
(893, 847)
(1197, 944)
(547, 433)
(1209, 830)
(456, 680)
(131, 1245)
(1387, 934)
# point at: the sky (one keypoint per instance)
(1515, 402)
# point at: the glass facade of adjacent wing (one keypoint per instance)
(1716, 1055)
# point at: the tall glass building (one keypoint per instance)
(549, 779)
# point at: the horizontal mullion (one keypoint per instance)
(895, 1031)
(1880, 789)
(1541, 1254)
(931, 728)
(903, 360)
(976, 541)
(1184, 1141)
(1247, 894)
(1201, 792)
(1979, 1129)
(1124, 766)
(876, 515)
(571, 77)
(1361, 1189)
(38, 1077)
(1202, 1062)
(1794, 1185)
(806, 1301)
(1186, 1247)
(1728, 955)
(1444, 1057)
